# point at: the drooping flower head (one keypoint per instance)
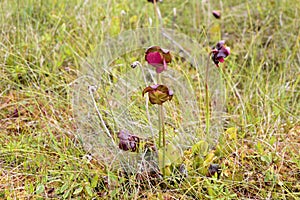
(216, 14)
(158, 58)
(128, 142)
(158, 94)
(220, 52)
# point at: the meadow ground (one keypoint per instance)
(43, 44)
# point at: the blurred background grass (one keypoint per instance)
(43, 43)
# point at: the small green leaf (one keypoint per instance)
(259, 148)
(78, 190)
(266, 158)
(231, 133)
(31, 188)
(89, 190)
(168, 171)
(272, 140)
(66, 194)
(112, 176)
(211, 192)
(200, 148)
(40, 188)
(94, 181)
(198, 162)
(64, 187)
(209, 158)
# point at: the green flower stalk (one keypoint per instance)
(217, 54)
(158, 94)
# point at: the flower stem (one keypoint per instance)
(161, 123)
(159, 114)
(207, 114)
(159, 126)
(163, 137)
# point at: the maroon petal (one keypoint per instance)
(123, 146)
(215, 59)
(128, 141)
(223, 52)
(227, 50)
(220, 44)
(221, 59)
(154, 58)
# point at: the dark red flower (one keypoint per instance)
(128, 141)
(220, 52)
(158, 94)
(158, 58)
(214, 169)
(152, 1)
(216, 14)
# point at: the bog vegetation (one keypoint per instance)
(43, 44)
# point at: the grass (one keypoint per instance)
(43, 44)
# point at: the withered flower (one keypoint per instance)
(214, 169)
(158, 58)
(220, 52)
(158, 94)
(128, 142)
